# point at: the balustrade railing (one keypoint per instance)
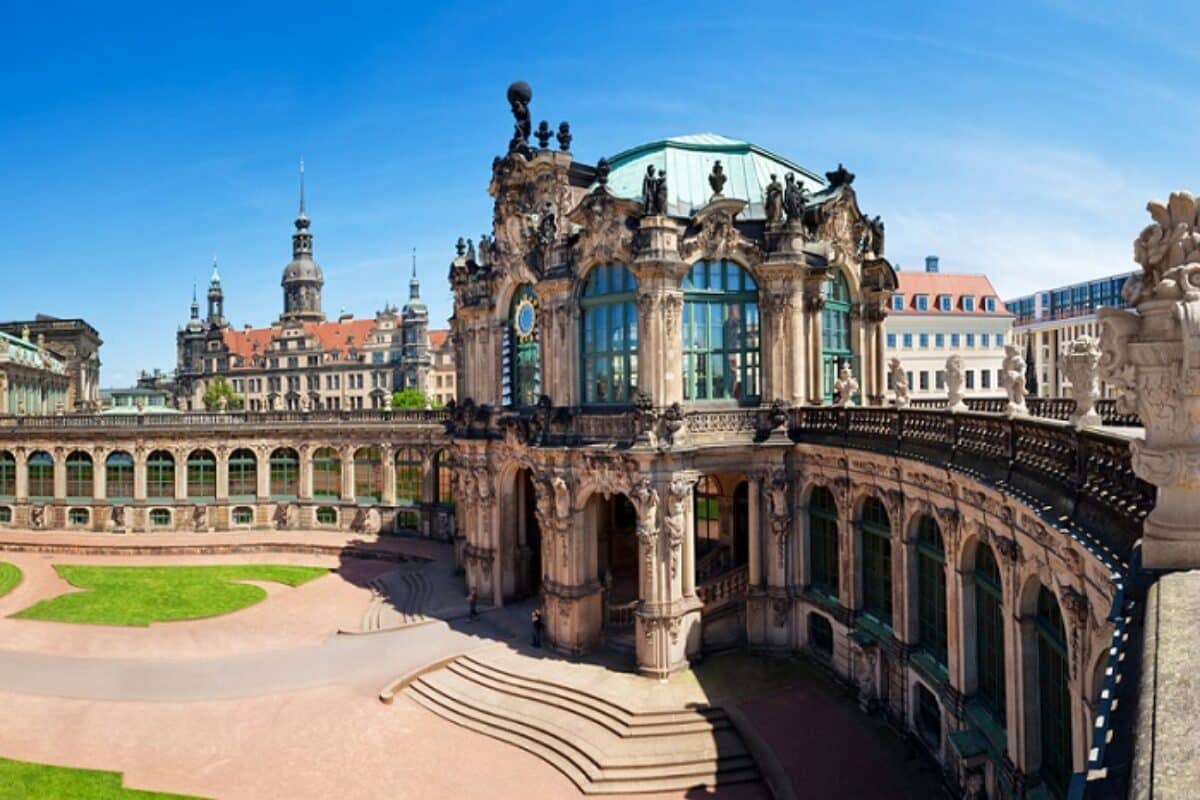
(728, 587)
(621, 615)
(714, 563)
(1045, 407)
(223, 419)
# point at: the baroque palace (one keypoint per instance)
(674, 428)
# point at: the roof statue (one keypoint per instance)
(716, 178)
(773, 202)
(564, 136)
(839, 177)
(543, 135)
(872, 239)
(602, 170)
(519, 96)
(793, 199)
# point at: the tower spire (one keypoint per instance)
(195, 303)
(302, 186)
(414, 285)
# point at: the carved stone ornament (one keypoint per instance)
(1151, 355)
(1012, 379)
(954, 384)
(846, 386)
(1080, 363)
(899, 383)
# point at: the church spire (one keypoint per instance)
(414, 285)
(302, 239)
(195, 304)
(302, 278)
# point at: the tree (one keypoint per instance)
(220, 396)
(409, 398)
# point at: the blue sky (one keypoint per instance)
(137, 141)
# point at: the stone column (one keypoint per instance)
(181, 454)
(99, 475)
(388, 454)
(1151, 356)
(771, 625)
(140, 455)
(305, 452)
(347, 456)
(222, 454)
(814, 304)
(659, 270)
(263, 472)
(60, 473)
(573, 597)
(754, 526)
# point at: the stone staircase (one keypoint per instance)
(599, 745)
(400, 598)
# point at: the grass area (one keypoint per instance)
(10, 576)
(141, 595)
(21, 780)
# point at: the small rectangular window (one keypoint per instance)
(968, 303)
(908, 340)
(970, 379)
(954, 340)
(983, 339)
(924, 380)
(924, 341)
(891, 343)
(897, 302)
(970, 340)
(985, 379)
(922, 302)
(939, 379)
(939, 340)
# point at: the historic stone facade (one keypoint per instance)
(77, 345)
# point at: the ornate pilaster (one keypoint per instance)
(660, 347)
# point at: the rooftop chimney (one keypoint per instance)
(931, 263)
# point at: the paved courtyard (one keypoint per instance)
(272, 701)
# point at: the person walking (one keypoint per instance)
(536, 618)
(473, 602)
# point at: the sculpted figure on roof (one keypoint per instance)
(773, 203)
(793, 199)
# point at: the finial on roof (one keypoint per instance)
(301, 186)
(414, 255)
(215, 280)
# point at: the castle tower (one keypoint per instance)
(216, 300)
(302, 277)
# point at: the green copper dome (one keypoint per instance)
(688, 161)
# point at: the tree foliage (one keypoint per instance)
(220, 396)
(409, 398)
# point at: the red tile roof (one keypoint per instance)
(933, 284)
(437, 338)
(331, 337)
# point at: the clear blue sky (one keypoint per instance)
(136, 142)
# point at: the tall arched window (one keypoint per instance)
(706, 499)
(8, 474)
(720, 333)
(989, 632)
(243, 474)
(1054, 693)
(285, 473)
(408, 476)
(522, 350)
(931, 589)
(609, 335)
(877, 561)
(823, 541)
(160, 476)
(835, 331)
(443, 479)
(118, 476)
(368, 475)
(79, 476)
(41, 476)
(201, 475)
(327, 474)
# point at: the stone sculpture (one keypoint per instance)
(650, 192)
(716, 178)
(1013, 380)
(954, 384)
(899, 382)
(661, 193)
(37, 515)
(117, 515)
(1080, 364)
(543, 135)
(793, 199)
(519, 97)
(872, 240)
(773, 201)
(200, 517)
(564, 136)
(839, 177)
(845, 387)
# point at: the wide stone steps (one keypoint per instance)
(400, 598)
(600, 746)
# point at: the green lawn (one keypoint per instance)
(141, 595)
(20, 780)
(10, 576)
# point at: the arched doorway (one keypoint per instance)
(529, 537)
(614, 521)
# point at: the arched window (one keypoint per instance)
(608, 334)
(243, 474)
(707, 501)
(201, 475)
(877, 561)
(989, 632)
(522, 350)
(823, 541)
(118, 476)
(160, 476)
(443, 478)
(835, 331)
(1054, 693)
(820, 635)
(720, 333)
(408, 476)
(368, 475)
(931, 589)
(79, 476)
(8, 475)
(40, 471)
(327, 474)
(928, 716)
(285, 474)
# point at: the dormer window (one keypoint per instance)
(968, 303)
(922, 302)
(943, 302)
(989, 304)
(897, 302)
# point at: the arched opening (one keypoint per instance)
(40, 472)
(706, 499)
(608, 335)
(285, 474)
(836, 342)
(160, 476)
(522, 350)
(1054, 694)
(823, 542)
(931, 589)
(720, 333)
(8, 475)
(876, 562)
(927, 716)
(820, 635)
(989, 633)
(408, 476)
(327, 474)
(528, 536)
(443, 479)
(741, 524)
(79, 476)
(614, 520)
(243, 475)
(368, 475)
(201, 475)
(118, 476)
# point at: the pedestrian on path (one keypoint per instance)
(536, 618)
(473, 600)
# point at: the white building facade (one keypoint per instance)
(934, 315)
